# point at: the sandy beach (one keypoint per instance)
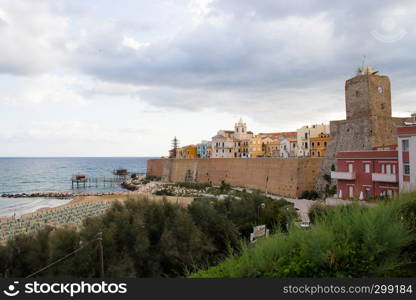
(73, 212)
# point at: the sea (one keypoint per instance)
(53, 174)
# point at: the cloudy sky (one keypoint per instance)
(121, 78)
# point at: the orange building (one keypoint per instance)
(255, 146)
(319, 145)
(189, 151)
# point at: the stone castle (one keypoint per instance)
(369, 123)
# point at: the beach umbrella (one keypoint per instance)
(340, 194)
(361, 195)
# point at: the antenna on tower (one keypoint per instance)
(361, 70)
(362, 65)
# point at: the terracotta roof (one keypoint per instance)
(288, 133)
(406, 130)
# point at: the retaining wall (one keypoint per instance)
(281, 176)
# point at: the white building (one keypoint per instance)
(223, 144)
(304, 135)
(288, 147)
(228, 143)
(406, 145)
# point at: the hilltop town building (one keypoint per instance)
(288, 147)
(223, 144)
(189, 151)
(304, 136)
(319, 145)
(203, 149)
(273, 148)
(255, 147)
(228, 143)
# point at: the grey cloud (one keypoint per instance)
(267, 57)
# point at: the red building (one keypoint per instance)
(364, 174)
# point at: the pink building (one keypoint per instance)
(364, 174)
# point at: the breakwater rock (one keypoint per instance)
(59, 195)
(140, 187)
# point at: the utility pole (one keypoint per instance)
(175, 146)
(101, 253)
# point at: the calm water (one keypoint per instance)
(28, 175)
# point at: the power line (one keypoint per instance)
(99, 238)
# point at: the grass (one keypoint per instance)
(350, 241)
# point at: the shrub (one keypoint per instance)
(194, 185)
(351, 241)
(153, 178)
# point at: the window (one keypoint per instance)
(388, 169)
(367, 168)
(319, 154)
(350, 167)
(306, 136)
(306, 145)
(405, 145)
(406, 168)
(319, 144)
(313, 153)
(325, 144)
(394, 169)
(313, 144)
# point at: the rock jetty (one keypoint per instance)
(138, 186)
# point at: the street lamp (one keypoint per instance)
(261, 205)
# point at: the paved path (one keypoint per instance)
(302, 205)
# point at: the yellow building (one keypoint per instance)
(189, 151)
(319, 145)
(255, 146)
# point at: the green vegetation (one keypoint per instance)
(345, 241)
(208, 238)
(153, 178)
(193, 185)
(146, 239)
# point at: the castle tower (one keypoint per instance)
(369, 122)
(367, 94)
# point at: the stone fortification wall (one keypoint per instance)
(281, 176)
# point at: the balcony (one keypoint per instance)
(381, 177)
(343, 175)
